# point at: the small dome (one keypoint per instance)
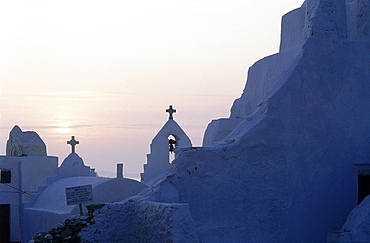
(73, 165)
(73, 160)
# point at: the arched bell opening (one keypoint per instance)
(172, 142)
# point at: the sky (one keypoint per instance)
(106, 71)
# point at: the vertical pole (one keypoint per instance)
(80, 209)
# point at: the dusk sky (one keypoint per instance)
(105, 71)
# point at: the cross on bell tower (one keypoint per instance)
(73, 142)
(171, 111)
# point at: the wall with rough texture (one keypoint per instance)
(356, 228)
(158, 159)
(134, 221)
(285, 173)
(24, 143)
(27, 173)
(49, 207)
(315, 18)
(289, 177)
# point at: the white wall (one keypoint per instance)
(50, 207)
(289, 177)
(27, 174)
(158, 159)
(12, 196)
(287, 174)
(173, 224)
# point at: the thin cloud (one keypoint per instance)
(73, 95)
(209, 95)
(138, 126)
(33, 128)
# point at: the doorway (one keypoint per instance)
(172, 145)
(363, 187)
(4, 223)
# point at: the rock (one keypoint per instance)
(39, 235)
(68, 237)
(60, 225)
(67, 232)
(92, 207)
(48, 237)
(70, 222)
(84, 217)
(54, 231)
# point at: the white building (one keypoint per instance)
(34, 199)
(171, 139)
(29, 166)
(290, 169)
(49, 206)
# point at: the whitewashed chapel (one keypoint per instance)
(24, 168)
(170, 140)
(32, 192)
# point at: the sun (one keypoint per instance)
(63, 127)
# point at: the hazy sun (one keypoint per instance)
(63, 128)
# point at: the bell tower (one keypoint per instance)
(170, 139)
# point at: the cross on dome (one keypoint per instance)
(171, 111)
(73, 142)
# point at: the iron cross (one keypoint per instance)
(171, 111)
(73, 143)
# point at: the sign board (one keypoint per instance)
(79, 194)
